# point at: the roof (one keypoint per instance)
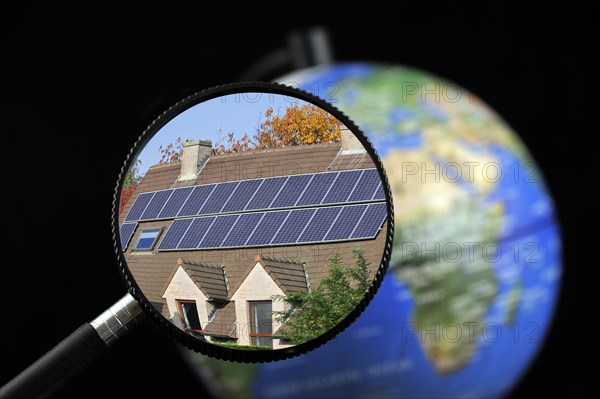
(241, 166)
(351, 161)
(209, 278)
(223, 323)
(288, 274)
(153, 271)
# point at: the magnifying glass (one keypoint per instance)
(252, 223)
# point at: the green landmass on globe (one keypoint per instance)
(442, 148)
(432, 211)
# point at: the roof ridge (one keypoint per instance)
(288, 148)
(182, 262)
(164, 165)
(282, 260)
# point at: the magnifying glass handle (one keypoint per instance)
(75, 352)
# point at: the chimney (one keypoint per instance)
(195, 155)
(350, 144)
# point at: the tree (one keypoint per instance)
(130, 183)
(307, 124)
(171, 152)
(314, 313)
(233, 146)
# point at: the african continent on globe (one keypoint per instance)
(476, 262)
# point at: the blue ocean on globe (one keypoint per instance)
(476, 265)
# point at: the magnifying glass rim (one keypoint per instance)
(179, 335)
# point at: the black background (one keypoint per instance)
(77, 89)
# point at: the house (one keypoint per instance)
(212, 239)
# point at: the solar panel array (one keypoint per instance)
(305, 190)
(285, 227)
(126, 232)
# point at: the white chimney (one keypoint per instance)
(195, 155)
(350, 144)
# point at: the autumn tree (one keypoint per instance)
(233, 145)
(171, 152)
(313, 313)
(307, 124)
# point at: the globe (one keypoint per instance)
(476, 261)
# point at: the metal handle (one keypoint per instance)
(117, 320)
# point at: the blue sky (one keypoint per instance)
(238, 113)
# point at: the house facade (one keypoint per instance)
(214, 240)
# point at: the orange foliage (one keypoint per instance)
(299, 125)
(233, 145)
(172, 152)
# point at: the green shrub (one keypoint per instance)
(233, 345)
(314, 313)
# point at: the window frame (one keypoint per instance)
(184, 318)
(252, 325)
(158, 230)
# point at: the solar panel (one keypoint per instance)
(268, 190)
(259, 194)
(316, 190)
(291, 191)
(196, 232)
(379, 193)
(218, 198)
(293, 226)
(270, 223)
(345, 223)
(196, 200)
(139, 206)
(174, 234)
(218, 231)
(156, 204)
(319, 225)
(300, 226)
(342, 187)
(243, 229)
(125, 233)
(175, 203)
(371, 222)
(366, 186)
(241, 196)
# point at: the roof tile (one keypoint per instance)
(224, 322)
(209, 278)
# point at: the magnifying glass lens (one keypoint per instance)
(253, 221)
